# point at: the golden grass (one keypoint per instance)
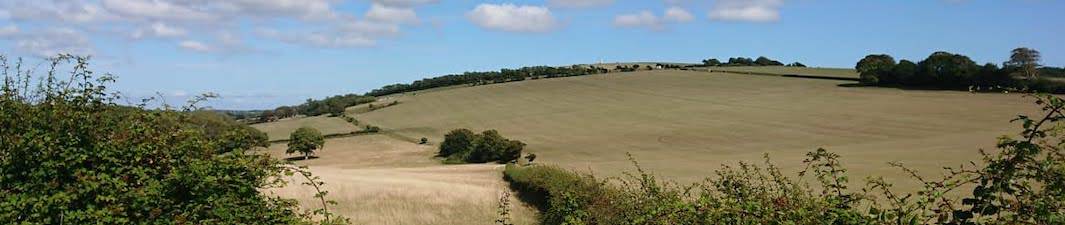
(281, 129)
(684, 124)
(380, 180)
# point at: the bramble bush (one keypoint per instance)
(70, 155)
(1021, 183)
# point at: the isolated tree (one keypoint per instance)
(305, 140)
(1027, 60)
(874, 68)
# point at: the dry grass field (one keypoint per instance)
(685, 124)
(784, 70)
(380, 180)
(281, 129)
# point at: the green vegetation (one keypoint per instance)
(71, 155)
(944, 70)
(744, 61)
(305, 141)
(462, 145)
(1023, 183)
(503, 75)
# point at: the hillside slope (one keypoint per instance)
(684, 124)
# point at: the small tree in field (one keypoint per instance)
(305, 140)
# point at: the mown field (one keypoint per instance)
(784, 70)
(685, 124)
(376, 179)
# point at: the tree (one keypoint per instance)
(763, 61)
(457, 141)
(944, 69)
(530, 157)
(711, 62)
(903, 73)
(796, 64)
(267, 116)
(284, 112)
(1027, 60)
(875, 68)
(305, 140)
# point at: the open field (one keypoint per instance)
(685, 124)
(380, 180)
(281, 129)
(784, 70)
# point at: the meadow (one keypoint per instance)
(280, 130)
(684, 124)
(376, 179)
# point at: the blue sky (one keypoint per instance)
(266, 53)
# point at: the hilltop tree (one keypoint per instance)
(903, 73)
(1027, 60)
(946, 69)
(763, 61)
(305, 140)
(874, 69)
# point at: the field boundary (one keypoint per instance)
(787, 75)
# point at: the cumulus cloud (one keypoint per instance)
(646, 19)
(640, 19)
(160, 30)
(405, 3)
(678, 15)
(394, 15)
(8, 30)
(746, 10)
(194, 46)
(513, 18)
(578, 3)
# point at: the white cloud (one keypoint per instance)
(578, 3)
(640, 19)
(194, 46)
(394, 15)
(746, 10)
(156, 10)
(678, 15)
(646, 19)
(513, 18)
(51, 42)
(405, 3)
(8, 30)
(159, 29)
(326, 39)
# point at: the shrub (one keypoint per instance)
(463, 145)
(423, 141)
(876, 69)
(71, 155)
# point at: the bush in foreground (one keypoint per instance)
(1022, 183)
(69, 155)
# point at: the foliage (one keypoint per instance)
(1027, 60)
(465, 146)
(946, 70)
(503, 75)
(305, 140)
(334, 106)
(70, 155)
(1022, 183)
(876, 69)
(796, 64)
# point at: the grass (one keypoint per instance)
(684, 124)
(783, 70)
(380, 180)
(281, 129)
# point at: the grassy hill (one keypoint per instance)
(684, 124)
(281, 129)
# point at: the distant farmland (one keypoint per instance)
(280, 130)
(684, 124)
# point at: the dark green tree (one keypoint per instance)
(875, 68)
(306, 141)
(457, 141)
(947, 70)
